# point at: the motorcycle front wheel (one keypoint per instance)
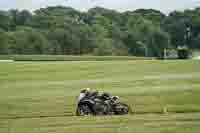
(83, 110)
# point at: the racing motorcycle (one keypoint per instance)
(104, 105)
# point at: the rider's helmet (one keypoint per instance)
(115, 98)
(85, 90)
(106, 95)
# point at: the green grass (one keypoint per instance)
(40, 96)
(196, 53)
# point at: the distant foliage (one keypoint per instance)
(70, 58)
(66, 31)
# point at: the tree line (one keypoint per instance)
(65, 31)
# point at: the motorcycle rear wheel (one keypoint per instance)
(122, 109)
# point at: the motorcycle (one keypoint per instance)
(101, 106)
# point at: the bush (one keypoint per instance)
(183, 53)
(71, 58)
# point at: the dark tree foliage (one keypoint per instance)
(99, 31)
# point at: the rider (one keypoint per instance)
(87, 92)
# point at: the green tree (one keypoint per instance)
(28, 42)
(5, 20)
(150, 14)
(4, 44)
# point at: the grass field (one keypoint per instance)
(196, 53)
(39, 97)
